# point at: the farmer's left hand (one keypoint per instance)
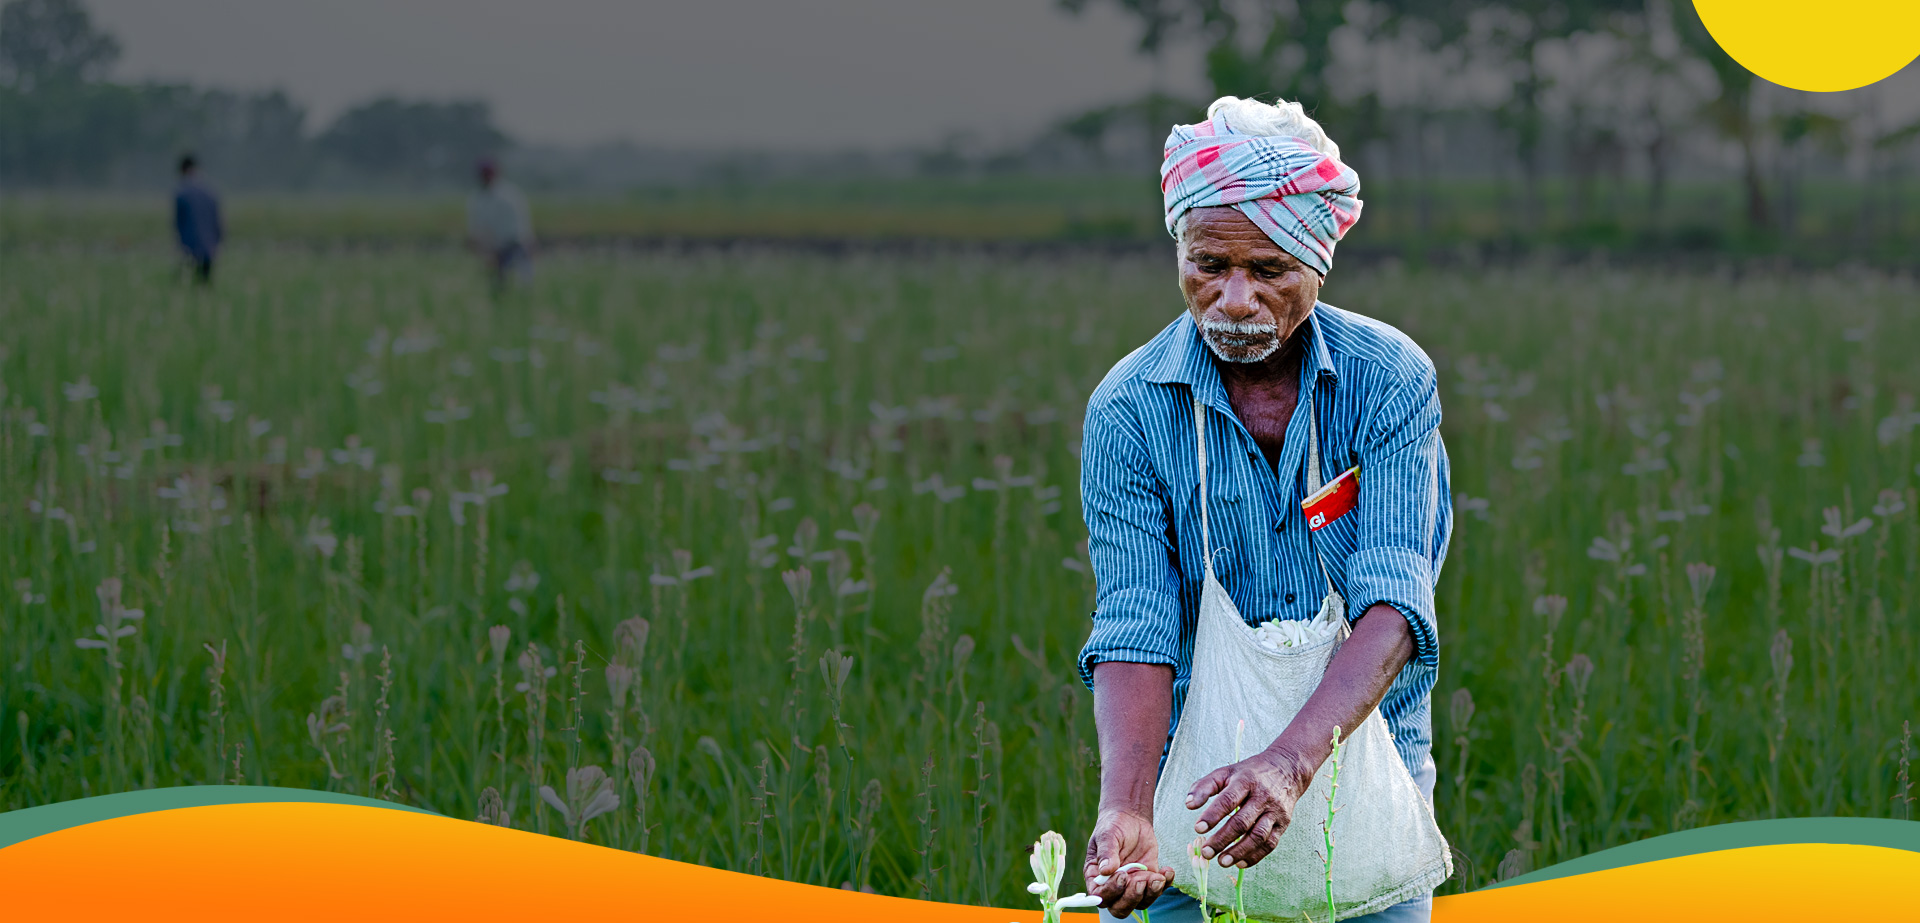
(1255, 797)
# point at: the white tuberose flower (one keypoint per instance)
(1049, 860)
(1277, 634)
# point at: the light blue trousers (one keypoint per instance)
(1175, 907)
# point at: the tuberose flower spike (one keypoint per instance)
(1048, 860)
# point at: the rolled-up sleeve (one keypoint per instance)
(1137, 614)
(1402, 531)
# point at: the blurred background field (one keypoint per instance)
(1481, 130)
(1452, 222)
(348, 520)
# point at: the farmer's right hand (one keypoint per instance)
(1122, 837)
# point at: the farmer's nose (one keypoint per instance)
(1237, 301)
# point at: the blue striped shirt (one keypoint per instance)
(1378, 406)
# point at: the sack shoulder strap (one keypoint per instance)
(1314, 483)
(1200, 443)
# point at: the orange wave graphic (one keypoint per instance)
(303, 861)
(293, 861)
(1801, 882)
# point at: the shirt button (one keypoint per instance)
(1282, 527)
(1289, 597)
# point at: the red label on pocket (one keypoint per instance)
(1336, 499)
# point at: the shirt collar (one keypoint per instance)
(1188, 361)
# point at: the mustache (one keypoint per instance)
(1241, 341)
(1240, 328)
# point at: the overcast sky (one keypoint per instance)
(793, 74)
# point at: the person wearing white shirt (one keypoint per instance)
(499, 228)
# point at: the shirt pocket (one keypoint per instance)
(1336, 542)
(1231, 532)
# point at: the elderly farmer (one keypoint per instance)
(1256, 198)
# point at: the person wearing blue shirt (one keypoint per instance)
(196, 220)
(1256, 197)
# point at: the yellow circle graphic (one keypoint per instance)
(1822, 47)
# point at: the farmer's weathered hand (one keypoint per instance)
(1255, 798)
(1121, 838)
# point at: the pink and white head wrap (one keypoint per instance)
(1304, 198)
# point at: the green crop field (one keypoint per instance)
(345, 522)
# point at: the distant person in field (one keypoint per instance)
(1216, 427)
(196, 220)
(499, 228)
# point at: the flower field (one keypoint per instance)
(773, 561)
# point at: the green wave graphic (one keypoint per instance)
(1853, 831)
(27, 823)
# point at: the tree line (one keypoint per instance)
(63, 124)
(1594, 120)
(1580, 91)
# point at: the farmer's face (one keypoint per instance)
(1245, 293)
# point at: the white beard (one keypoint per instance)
(1214, 332)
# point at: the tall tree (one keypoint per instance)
(56, 123)
(1802, 133)
(1517, 28)
(46, 42)
(1731, 113)
(1260, 48)
(1654, 50)
(1886, 147)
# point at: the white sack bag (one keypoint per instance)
(1387, 846)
